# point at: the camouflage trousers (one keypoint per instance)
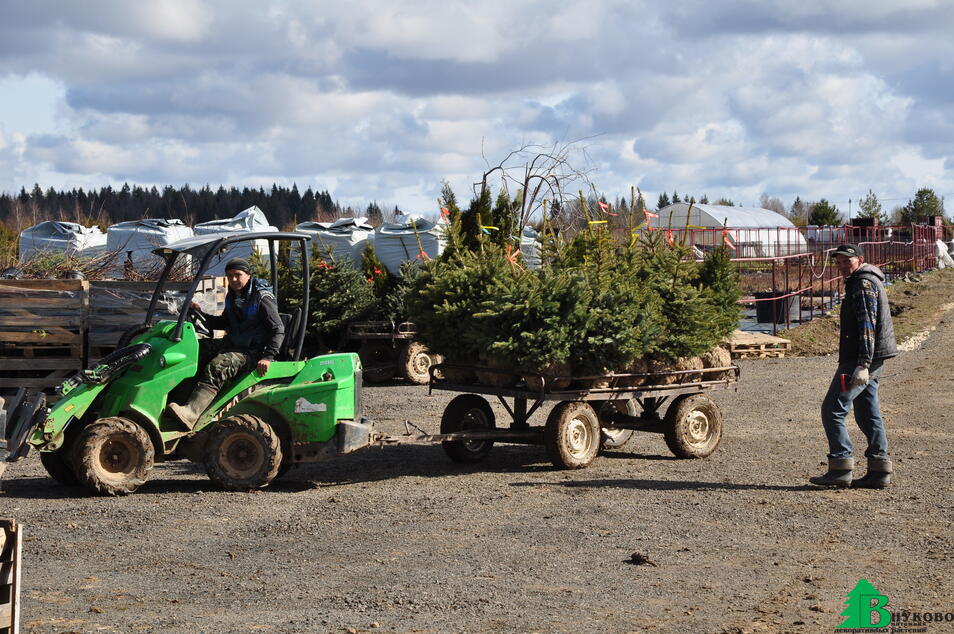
(220, 362)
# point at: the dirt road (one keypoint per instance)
(402, 539)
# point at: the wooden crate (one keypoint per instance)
(116, 306)
(42, 331)
(11, 545)
(757, 345)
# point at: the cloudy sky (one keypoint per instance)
(378, 100)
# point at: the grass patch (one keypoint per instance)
(915, 306)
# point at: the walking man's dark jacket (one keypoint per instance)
(251, 320)
(867, 332)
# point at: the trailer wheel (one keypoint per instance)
(572, 435)
(414, 362)
(113, 456)
(693, 426)
(377, 361)
(58, 465)
(242, 453)
(467, 412)
(615, 438)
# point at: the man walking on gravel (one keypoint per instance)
(254, 334)
(866, 340)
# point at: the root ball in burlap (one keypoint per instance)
(557, 376)
(718, 357)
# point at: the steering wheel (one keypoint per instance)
(198, 320)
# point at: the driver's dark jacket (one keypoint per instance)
(251, 320)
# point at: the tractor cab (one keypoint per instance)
(112, 421)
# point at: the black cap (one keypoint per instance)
(239, 264)
(850, 250)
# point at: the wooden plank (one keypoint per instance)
(44, 285)
(741, 337)
(64, 303)
(30, 321)
(42, 338)
(36, 383)
(6, 573)
(56, 363)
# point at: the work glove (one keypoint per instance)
(859, 377)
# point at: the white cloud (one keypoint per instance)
(384, 100)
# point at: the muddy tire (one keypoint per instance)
(693, 426)
(242, 453)
(614, 438)
(467, 412)
(414, 362)
(284, 434)
(59, 467)
(113, 456)
(572, 435)
(377, 361)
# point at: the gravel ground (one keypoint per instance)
(402, 539)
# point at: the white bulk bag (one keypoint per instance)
(405, 238)
(69, 238)
(343, 240)
(134, 240)
(252, 219)
(530, 247)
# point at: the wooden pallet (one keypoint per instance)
(11, 544)
(42, 331)
(757, 345)
(116, 306)
(50, 329)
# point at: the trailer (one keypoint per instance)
(389, 348)
(585, 420)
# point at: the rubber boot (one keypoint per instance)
(838, 474)
(189, 413)
(878, 476)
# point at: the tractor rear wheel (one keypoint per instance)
(58, 465)
(113, 456)
(243, 452)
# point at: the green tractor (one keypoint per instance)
(110, 424)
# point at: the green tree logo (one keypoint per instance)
(864, 601)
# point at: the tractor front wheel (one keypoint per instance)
(113, 456)
(242, 453)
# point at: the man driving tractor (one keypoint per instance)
(254, 333)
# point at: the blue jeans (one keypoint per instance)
(867, 413)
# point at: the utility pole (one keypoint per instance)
(849, 211)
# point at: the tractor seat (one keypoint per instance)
(291, 322)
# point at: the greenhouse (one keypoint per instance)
(753, 231)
